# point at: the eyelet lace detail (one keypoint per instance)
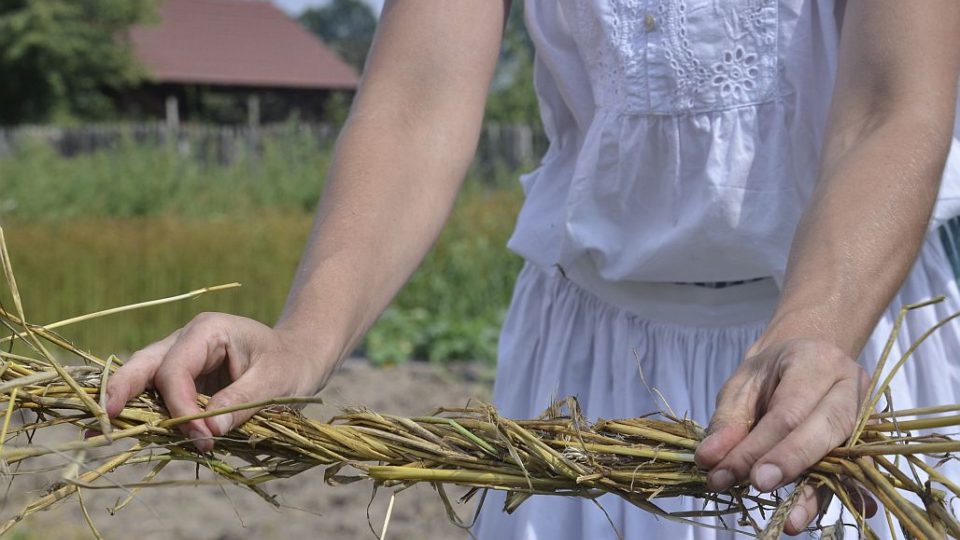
(690, 74)
(736, 75)
(742, 69)
(679, 56)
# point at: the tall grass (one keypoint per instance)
(135, 223)
(72, 267)
(135, 180)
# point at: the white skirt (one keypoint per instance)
(561, 340)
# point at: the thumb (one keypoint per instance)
(246, 389)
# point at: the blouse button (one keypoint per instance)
(649, 23)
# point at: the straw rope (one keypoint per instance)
(561, 453)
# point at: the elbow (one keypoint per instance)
(903, 143)
(928, 132)
(920, 130)
(923, 115)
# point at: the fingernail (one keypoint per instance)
(768, 477)
(222, 421)
(722, 480)
(799, 518)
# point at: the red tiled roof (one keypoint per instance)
(236, 43)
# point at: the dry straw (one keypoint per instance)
(560, 453)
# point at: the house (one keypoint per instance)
(233, 61)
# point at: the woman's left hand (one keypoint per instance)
(801, 397)
(887, 137)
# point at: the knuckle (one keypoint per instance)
(208, 327)
(789, 417)
(137, 356)
(207, 321)
(206, 317)
(142, 358)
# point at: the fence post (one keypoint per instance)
(525, 144)
(173, 113)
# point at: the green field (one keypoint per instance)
(137, 223)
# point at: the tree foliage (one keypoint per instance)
(61, 58)
(512, 99)
(347, 26)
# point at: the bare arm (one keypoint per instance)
(397, 167)
(399, 163)
(889, 130)
(888, 134)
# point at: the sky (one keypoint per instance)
(294, 7)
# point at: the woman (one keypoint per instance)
(736, 197)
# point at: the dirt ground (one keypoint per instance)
(316, 510)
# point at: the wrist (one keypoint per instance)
(318, 352)
(806, 325)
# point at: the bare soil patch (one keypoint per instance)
(315, 510)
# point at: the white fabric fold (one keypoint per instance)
(561, 340)
(685, 135)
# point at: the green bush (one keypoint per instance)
(454, 304)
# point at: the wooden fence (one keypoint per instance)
(507, 145)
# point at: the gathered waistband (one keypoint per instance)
(748, 302)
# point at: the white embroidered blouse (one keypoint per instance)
(684, 135)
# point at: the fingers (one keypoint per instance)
(200, 348)
(251, 386)
(735, 414)
(208, 353)
(772, 428)
(805, 509)
(817, 396)
(136, 374)
(826, 427)
(860, 498)
(813, 502)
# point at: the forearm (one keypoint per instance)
(396, 170)
(390, 188)
(862, 230)
(886, 140)
(797, 395)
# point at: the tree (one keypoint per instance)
(347, 26)
(512, 98)
(61, 58)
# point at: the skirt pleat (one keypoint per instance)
(559, 340)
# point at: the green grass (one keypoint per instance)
(136, 181)
(124, 226)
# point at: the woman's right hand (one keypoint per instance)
(234, 359)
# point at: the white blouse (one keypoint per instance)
(684, 135)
